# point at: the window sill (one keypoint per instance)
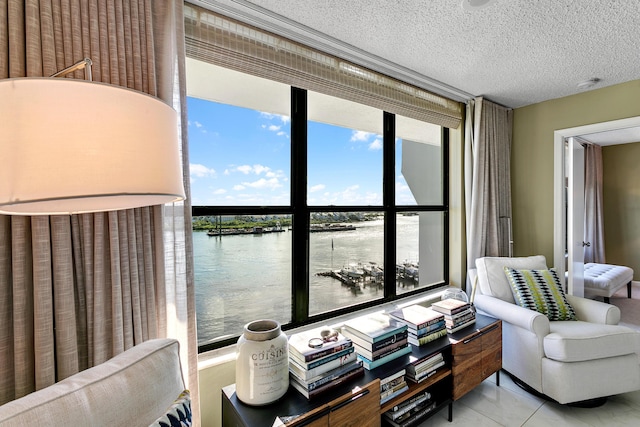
(227, 354)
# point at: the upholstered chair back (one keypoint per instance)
(492, 279)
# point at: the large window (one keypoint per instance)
(307, 212)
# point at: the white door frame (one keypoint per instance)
(559, 225)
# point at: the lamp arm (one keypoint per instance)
(84, 63)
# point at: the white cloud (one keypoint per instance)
(274, 128)
(258, 170)
(245, 169)
(198, 124)
(269, 116)
(239, 187)
(359, 135)
(315, 188)
(376, 145)
(262, 183)
(220, 191)
(200, 171)
(401, 187)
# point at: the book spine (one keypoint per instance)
(322, 369)
(431, 328)
(391, 384)
(336, 382)
(370, 364)
(309, 357)
(394, 394)
(450, 311)
(462, 326)
(390, 350)
(428, 323)
(390, 334)
(418, 416)
(412, 403)
(420, 364)
(322, 381)
(392, 377)
(373, 347)
(329, 358)
(428, 338)
(421, 376)
(389, 340)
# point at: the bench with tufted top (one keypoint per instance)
(605, 279)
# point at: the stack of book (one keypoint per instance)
(420, 369)
(377, 339)
(321, 359)
(393, 385)
(424, 324)
(411, 411)
(457, 314)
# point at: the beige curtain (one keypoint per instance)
(593, 203)
(488, 180)
(77, 290)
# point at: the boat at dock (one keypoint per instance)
(243, 231)
(319, 228)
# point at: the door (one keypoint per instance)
(575, 217)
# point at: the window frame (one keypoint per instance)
(300, 212)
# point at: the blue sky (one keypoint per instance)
(241, 157)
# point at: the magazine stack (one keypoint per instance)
(393, 385)
(457, 314)
(321, 359)
(377, 338)
(411, 411)
(420, 370)
(424, 324)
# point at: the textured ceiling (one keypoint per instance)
(514, 52)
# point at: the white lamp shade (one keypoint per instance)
(74, 146)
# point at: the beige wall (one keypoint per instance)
(621, 190)
(212, 377)
(532, 156)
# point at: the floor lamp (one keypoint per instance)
(73, 146)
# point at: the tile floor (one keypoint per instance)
(508, 405)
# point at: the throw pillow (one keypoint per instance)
(540, 290)
(178, 414)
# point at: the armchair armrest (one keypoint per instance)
(594, 311)
(514, 314)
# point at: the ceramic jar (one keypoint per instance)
(262, 363)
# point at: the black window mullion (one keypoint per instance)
(300, 223)
(389, 203)
(445, 201)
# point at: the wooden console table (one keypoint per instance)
(472, 355)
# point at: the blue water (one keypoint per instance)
(244, 278)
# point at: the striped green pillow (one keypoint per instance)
(540, 290)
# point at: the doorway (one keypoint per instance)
(568, 244)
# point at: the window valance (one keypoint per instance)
(219, 40)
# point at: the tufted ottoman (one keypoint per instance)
(605, 279)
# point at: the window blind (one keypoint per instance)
(219, 40)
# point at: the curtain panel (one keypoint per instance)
(593, 203)
(488, 180)
(77, 290)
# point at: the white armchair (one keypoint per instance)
(568, 361)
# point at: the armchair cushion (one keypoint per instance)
(492, 280)
(580, 341)
(540, 290)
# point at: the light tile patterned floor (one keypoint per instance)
(508, 405)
